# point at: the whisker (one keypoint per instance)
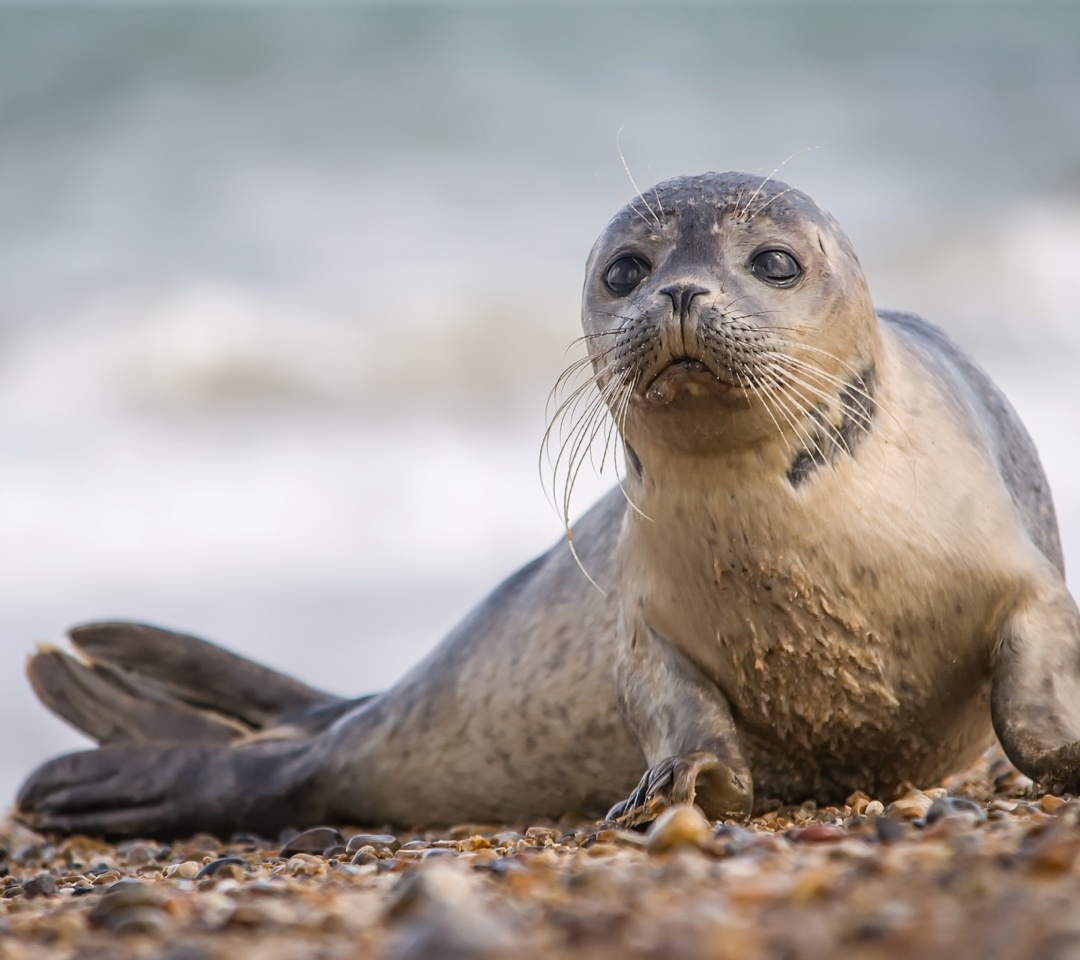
(633, 183)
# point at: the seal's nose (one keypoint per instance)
(682, 295)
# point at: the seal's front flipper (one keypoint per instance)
(133, 682)
(168, 791)
(686, 731)
(700, 778)
(1035, 699)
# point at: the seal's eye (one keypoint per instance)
(625, 274)
(776, 267)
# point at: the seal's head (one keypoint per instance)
(724, 310)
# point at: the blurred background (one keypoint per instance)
(283, 289)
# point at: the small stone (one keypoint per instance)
(365, 856)
(1051, 804)
(415, 845)
(187, 870)
(305, 865)
(104, 879)
(315, 840)
(875, 808)
(136, 920)
(380, 842)
(858, 802)
(129, 906)
(476, 843)
(682, 825)
(889, 830)
(912, 806)
(955, 808)
(40, 886)
(225, 867)
(542, 834)
(731, 839)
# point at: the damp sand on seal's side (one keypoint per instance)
(978, 866)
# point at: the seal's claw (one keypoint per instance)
(701, 778)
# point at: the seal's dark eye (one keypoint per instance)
(776, 267)
(625, 274)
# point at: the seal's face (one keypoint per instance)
(721, 310)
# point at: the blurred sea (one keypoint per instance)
(283, 289)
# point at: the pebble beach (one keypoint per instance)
(978, 866)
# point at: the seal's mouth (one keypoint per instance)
(685, 377)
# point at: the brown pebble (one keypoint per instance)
(912, 806)
(1051, 804)
(315, 840)
(305, 865)
(543, 834)
(682, 825)
(380, 841)
(187, 870)
(224, 867)
(138, 853)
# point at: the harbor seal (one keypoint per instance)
(833, 564)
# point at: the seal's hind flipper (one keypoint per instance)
(112, 708)
(171, 790)
(196, 672)
(129, 682)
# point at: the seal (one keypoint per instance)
(833, 564)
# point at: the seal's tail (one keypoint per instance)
(129, 682)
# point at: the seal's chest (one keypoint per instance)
(798, 658)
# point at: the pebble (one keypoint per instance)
(889, 830)
(224, 866)
(955, 808)
(913, 805)
(40, 886)
(378, 841)
(681, 825)
(188, 870)
(731, 839)
(315, 840)
(1048, 803)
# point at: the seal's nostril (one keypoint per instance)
(682, 295)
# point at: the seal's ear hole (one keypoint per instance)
(625, 274)
(776, 267)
